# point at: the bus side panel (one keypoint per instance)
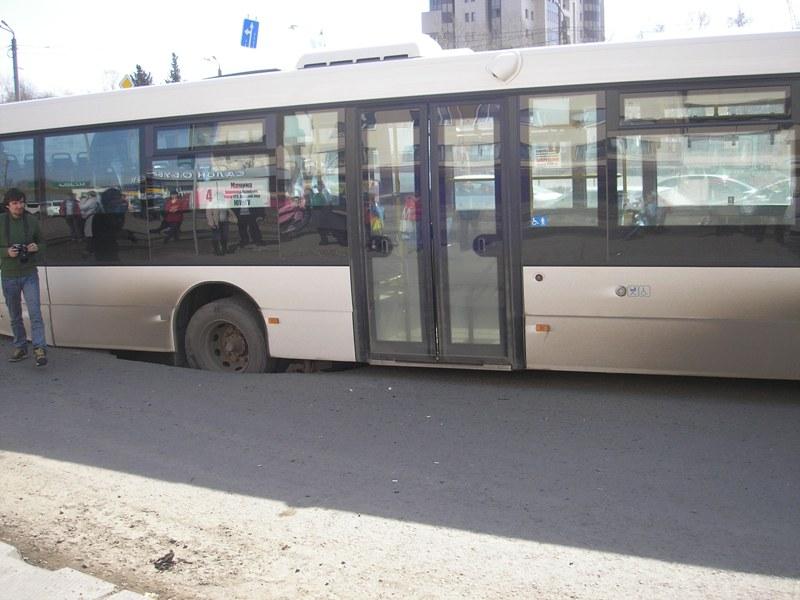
(97, 307)
(308, 310)
(716, 322)
(311, 334)
(126, 308)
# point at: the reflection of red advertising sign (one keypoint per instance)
(547, 155)
(233, 194)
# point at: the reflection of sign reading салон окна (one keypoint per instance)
(199, 174)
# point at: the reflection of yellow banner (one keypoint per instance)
(241, 193)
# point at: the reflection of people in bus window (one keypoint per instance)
(106, 224)
(89, 205)
(410, 218)
(174, 208)
(71, 211)
(374, 212)
(219, 218)
(247, 222)
(319, 199)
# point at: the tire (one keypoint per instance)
(226, 335)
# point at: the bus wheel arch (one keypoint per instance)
(218, 327)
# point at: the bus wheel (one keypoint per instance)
(225, 335)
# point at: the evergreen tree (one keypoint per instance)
(174, 71)
(141, 77)
(740, 20)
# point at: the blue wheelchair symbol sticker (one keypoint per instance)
(539, 221)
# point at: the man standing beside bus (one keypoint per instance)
(20, 239)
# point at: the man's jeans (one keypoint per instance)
(13, 290)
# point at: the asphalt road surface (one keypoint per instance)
(401, 483)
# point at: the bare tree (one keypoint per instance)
(657, 28)
(111, 79)
(700, 20)
(26, 92)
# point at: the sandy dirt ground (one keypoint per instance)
(379, 483)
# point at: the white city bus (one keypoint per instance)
(604, 207)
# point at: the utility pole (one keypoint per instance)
(792, 16)
(6, 27)
(563, 23)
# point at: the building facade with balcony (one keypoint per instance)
(498, 24)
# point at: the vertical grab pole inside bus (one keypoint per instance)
(193, 207)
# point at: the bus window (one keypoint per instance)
(17, 171)
(312, 181)
(559, 139)
(88, 174)
(705, 179)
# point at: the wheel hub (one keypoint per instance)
(229, 347)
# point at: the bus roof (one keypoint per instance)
(448, 73)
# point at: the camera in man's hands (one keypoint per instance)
(22, 252)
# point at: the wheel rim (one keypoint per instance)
(228, 347)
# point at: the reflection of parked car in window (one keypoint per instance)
(698, 198)
(777, 192)
(152, 203)
(543, 197)
(53, 207)
(702, 190)
(774, 200)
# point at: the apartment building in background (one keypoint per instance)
(498, 24)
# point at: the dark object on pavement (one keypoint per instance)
(165, 562)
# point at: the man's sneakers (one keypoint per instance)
(18, 354)
(40, 354)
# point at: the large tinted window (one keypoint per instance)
(208, 209)
(695, 177)
(562, 192)
(705, 178)
(16, 169)
(92, 182)
(281, 202)
(705, 196)
(311, 200)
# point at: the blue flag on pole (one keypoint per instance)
(249, 33)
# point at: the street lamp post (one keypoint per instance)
(214, 59)
(5, 26)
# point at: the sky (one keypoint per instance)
(89, 45)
